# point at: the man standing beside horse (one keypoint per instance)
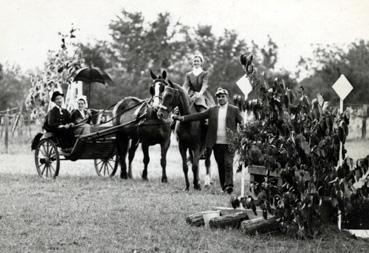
(223, 119)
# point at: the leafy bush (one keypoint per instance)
(302, 143)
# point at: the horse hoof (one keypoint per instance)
(123, 176)
(130, 176)
(144, 178)
(164, 180)
(186, 189)
(197, 187)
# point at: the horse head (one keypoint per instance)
(157, 87)
(169, 100)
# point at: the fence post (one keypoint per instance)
(6, 123)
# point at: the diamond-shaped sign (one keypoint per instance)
(245, 86)
(342, 87)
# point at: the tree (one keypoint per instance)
(13, 86)
(329, 62)
(138, 46)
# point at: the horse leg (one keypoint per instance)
(195, 169)
(183, 152)
(146, 159)
(163, 160)
(208, 180)
(122, 147)
(131, 155)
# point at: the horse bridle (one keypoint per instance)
(158, 96)
(175, 95)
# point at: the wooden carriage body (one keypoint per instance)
(100, 145)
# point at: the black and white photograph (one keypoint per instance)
(184, 126)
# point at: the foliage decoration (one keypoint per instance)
(57, 74)
(302, 143)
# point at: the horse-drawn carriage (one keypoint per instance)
(132, 121)
(99, 145)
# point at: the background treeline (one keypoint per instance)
(136, 45)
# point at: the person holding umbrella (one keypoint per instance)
(59, 122)
(90, 75)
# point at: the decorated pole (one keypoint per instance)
(342, 87)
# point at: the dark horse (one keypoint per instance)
(148, 130)
(190, 135)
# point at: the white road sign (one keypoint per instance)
(342, 87)
(245, 86)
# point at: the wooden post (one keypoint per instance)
(243, 181)
(6, 122)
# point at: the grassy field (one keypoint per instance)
(80, 212)
(91, 214)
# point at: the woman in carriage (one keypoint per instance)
(81, 118)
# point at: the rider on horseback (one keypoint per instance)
(196, 84)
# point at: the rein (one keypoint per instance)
(176, 96)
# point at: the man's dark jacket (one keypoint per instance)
(55, 118)
(233, 118)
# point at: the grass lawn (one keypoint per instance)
(91, 214)
(80, 212)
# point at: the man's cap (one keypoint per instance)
(220, 90)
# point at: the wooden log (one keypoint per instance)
(228, 221)
(259, 225)
(229, 210)
(195, 219)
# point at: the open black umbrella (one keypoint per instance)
(91, 75)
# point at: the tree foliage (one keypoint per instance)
(13, 86)
(329, 62)
(137, 45)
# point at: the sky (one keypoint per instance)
(29, 28)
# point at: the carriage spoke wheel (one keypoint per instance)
(106, 167)
(47, 159)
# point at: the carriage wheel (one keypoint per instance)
(47, 159)
(106, 167)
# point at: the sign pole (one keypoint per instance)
(342, 87)
(245, 86)
(339, 218)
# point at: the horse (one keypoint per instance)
(149, 130)
(190, 135)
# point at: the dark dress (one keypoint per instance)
(83, 123)
(55, 118)
(194, 84)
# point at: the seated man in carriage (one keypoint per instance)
(58, 121)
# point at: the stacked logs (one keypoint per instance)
(242, 219)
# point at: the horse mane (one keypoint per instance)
(185, 99)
